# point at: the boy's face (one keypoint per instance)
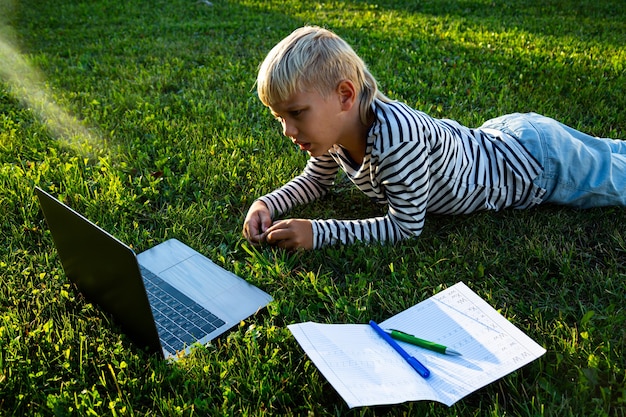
(312, 121)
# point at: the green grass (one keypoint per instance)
(144, 118)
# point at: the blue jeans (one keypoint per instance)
(578, 170)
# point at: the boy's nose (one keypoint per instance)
(289, 130)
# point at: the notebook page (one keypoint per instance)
(360, 365)
(458, 318)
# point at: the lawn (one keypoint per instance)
(143, 116)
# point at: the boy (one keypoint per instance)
(329, 105)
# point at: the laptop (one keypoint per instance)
(165, 299)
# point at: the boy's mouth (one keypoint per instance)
(303, 145)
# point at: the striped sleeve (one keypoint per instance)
(318, 176)
(404, 176)
(330, 231)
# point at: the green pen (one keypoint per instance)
(408, 338)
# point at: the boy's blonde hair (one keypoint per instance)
(314, 59)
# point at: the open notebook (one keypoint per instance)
(365, 370)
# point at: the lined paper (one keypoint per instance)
(365, 370)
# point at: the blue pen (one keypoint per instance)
(421, 369)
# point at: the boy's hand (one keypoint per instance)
(291, 234)
(257, 221)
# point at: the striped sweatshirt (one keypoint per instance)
(415, 164)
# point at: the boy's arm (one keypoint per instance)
(404, 176)
(318, 176)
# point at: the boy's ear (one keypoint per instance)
(347, 94)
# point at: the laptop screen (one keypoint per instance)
(104, 269)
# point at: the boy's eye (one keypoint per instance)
(295, 113)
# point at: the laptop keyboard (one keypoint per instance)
(179, 320)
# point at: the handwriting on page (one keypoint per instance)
(463, 319)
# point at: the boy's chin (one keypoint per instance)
(316, 152)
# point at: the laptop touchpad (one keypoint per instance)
(199, 278)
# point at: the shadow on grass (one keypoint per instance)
(603, 19)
